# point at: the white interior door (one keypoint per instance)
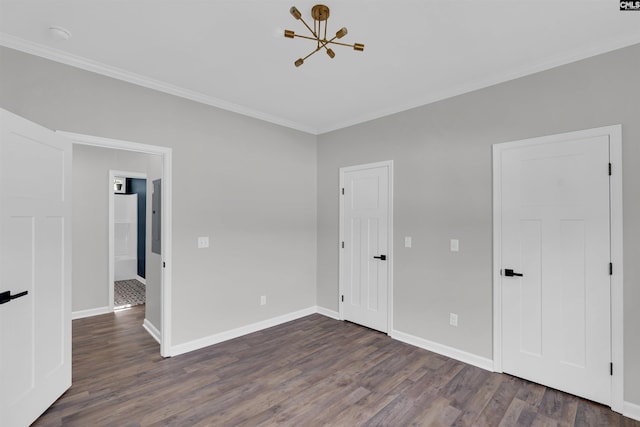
(35, 256)
(365, 256)
(556, 327)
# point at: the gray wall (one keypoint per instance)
(91, 167)
(443, 190)
(257, 185)
(247, 184)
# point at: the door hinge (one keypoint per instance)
(609, 169)
(610, 269)
(163, 264)
(343, 191)
(342, 245)
(611, 368)
(341, 298)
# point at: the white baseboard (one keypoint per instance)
(631, 410)
(329, 313)
(141, 280)
(454, 353)
(91, 312)
(238, 332)
(153, 331)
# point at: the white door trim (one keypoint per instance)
(389, 165)
(112, 275)
(617, 304)
(166, 154)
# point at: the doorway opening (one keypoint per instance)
(162, 331)
(128, 203)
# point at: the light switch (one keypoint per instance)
(203, 242)
(453, 319)
(455, 245)
(407, 242)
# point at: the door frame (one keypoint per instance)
(614, 133)
(112, 271)
(389, 165)
(166, 155)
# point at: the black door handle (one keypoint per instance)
(6, 296)
(381, 257)
(510, 273)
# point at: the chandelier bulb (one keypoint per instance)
(331, 53)
(289, 34)
(358, 46)
(299, 62)
(295, 12)
(341, 32)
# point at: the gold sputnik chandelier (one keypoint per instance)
(320, 15)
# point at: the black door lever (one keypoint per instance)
(6, 296)
(510, 273)
(381, 257)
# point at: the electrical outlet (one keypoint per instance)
(263, 300)
(453, 319)
(407, 242)
(454, 245)
(203, 242)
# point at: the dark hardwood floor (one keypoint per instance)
(311, 372)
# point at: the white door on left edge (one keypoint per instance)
(365, 262)
(35, 256)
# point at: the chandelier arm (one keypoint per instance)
(326, 42)
(305, 37)
(309, 28)
(325, 29)
(322, 43)
(310, 54)
(332, 42)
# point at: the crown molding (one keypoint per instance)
(66, 58)
(56, 55)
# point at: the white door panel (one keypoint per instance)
(366, 235)
(35, 256)
(555, 232)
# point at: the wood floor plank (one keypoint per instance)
(481, 397)
(437, 413)
(497, 407)
(559, 406)
(314, 371)
(358, 413)
(464, 386)
(436, 380)
(398, 412)
(512, 415)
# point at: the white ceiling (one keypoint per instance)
(232, 54)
